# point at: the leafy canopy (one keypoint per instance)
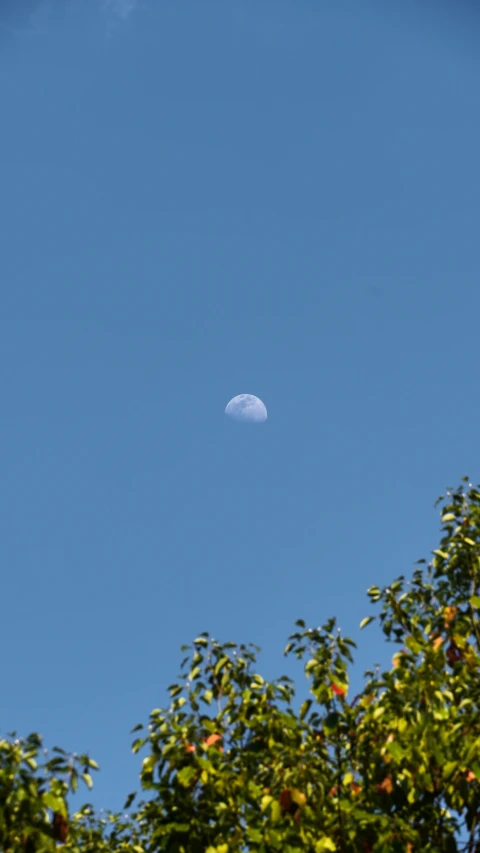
(237, 763)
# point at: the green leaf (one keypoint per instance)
(366, 621)
(449, 768)
(253, 834)
(395, 750)
(53, 802)
(475, 601)
(194, 673)
(201, 641)
(275, 811)
(129, 800)
(412, 793)
(449, 516)
(186, 776)
(440, 713)
(220, 664)
(305, 708)
(331, 721)
(412, 645)
(208, 696)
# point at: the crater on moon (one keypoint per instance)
(246, 407)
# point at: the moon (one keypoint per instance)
(247, 408)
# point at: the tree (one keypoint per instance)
(235, 763)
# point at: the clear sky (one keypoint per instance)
(203, 198)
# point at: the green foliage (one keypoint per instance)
(236, 763)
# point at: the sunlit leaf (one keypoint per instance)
(324, 844)
(148, 764)
(194, 673)
(186, 776)
(305, 708)
(265, 802)
(87, 779)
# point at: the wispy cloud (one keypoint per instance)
(122, 8)
(118, 12)
(40, 18)
(36, 17)
(31, 18)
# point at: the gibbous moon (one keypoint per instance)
(247, 408)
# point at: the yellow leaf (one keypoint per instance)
(276, 811)
(324, 844)
(265, 802)
(148, 764)
(297, 797)
(87, 779)
(449, 614)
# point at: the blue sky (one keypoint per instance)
(202, 199)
